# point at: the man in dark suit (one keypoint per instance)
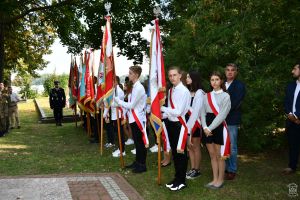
(292, 110)
(57, 100)
(237, 91)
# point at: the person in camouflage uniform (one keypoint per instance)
(3, 114)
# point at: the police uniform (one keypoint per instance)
(57, 100)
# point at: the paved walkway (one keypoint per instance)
(110, 186)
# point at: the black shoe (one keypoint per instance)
(131, 166)
(170, 184)
(19, 127)
(59, 124)
(11, 127)
(194, 174)
(140, 168)
(189, 172)
(178, 186)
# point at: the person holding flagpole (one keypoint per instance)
(119, 93)
(194, 84)
(216, 107)
(137, 119)
(179, 99)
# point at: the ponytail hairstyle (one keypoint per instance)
(196, 81)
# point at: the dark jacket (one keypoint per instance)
(289, 98)
(57, 98)
(237, 92)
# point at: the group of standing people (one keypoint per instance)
(9, 114)
(201, 117)
(191, 116)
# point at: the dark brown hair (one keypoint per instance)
(196, 81)
(218, 74)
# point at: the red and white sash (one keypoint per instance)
(165, 138)
(225, 148)
(142, 128)
(197, 122)
(183, 131)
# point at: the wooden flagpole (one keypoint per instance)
(120, 140)
(75, 114)
(101, 133)
(159, 159)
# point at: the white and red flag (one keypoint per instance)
(157, 79)
(106, 72)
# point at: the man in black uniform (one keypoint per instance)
(57, 102)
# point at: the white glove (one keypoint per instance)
(105, 113)
(164, 116)
(163, 109)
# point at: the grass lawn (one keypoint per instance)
(44, 103)
(38, 149)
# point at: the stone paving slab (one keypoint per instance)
(106, 186)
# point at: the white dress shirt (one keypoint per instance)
(14, 97)
(181, 99)
(195, 109)
(295, 96)
(136, 101)
(227, 84)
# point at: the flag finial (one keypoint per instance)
(107, 7)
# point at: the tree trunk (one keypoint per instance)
(1, 52)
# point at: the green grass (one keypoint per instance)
(44, 104)
(38, 149)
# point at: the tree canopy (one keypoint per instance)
(28, 28)
(262, 37)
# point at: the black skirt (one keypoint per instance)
(217, 133)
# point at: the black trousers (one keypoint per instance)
(58, 114)
(293, 135)
(110, 132)
(141, 151)
(115, 135)
(95, 127)
(180, 159)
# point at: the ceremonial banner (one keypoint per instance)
(73, 84)
(101, 75)
(89, 92)
(156, 78)
(81, 93)
(108, 64)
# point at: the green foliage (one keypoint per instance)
(261, 36)
(28, 28)
(28, 93)
(49, 82)
(24, 80)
